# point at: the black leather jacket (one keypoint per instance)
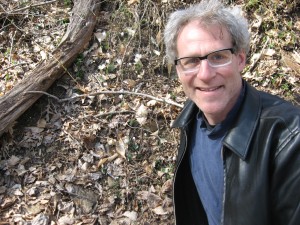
(261, 160)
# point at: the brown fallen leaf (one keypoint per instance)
(107, 159)
(159, 210)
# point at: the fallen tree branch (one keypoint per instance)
(78, 34)
(168, 101)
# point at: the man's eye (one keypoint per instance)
(218, 57)
(190, 62)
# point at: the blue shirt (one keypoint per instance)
(207, 164)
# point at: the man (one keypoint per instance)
(238, 160)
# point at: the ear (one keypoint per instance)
(241, 57)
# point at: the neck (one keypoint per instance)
(213, 119)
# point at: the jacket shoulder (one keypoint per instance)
(274, 107)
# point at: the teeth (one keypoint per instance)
(209, 89)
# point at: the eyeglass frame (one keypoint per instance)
(201, 58)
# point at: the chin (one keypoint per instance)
(211, 107)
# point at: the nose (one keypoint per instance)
(206, 72)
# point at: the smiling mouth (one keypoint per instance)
(209, 89)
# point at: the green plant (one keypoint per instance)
(7, 77)
(133, 146)
(252, 4)
(129, 156)
(123, 12)
(78, 67)
(68, 3)
(133, 123)
(110, 68)
(164, 167)
(64, 21)
(285, 87)
(7, 52)
(105, 46)
(138, 66)
(104, 170)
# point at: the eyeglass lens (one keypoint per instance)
(215, 59)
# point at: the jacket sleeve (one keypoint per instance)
(285, 182)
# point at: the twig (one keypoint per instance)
(252, 67)
(12, 23)
(30, 6)
(168, 101)
(113, 113)
(11, 46)
(109, 114)
(44, 93)
(129, 42)
(1, 6)
(14, 65)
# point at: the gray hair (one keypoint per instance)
(208, 12)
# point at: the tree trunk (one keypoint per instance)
(80, 30)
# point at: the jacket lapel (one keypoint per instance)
(240, 134)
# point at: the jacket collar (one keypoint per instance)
(239, 137)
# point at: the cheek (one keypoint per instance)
(232, 72)
(186, 82)
(182, 78)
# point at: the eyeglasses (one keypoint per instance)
(191, 65)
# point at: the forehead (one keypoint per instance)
(196, 38)
(196, 29)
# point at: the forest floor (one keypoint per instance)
(109, 158)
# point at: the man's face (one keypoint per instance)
(214, 90)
